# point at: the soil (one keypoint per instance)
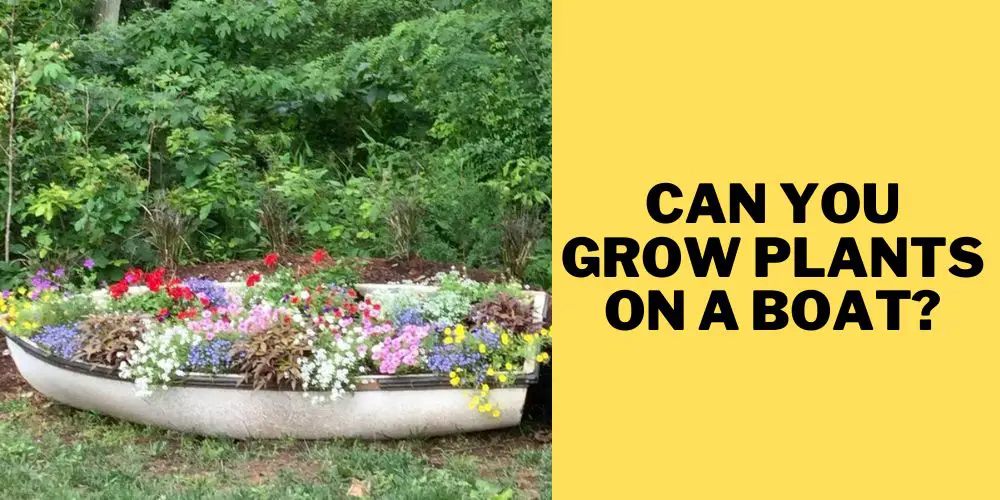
(371, 270)
(10, 379)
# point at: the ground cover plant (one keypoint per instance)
(310, 332)
(211, 130)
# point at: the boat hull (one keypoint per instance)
(241, 413)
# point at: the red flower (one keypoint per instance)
(118, 289)
(271, 259)
(154, 280)
(295, 300)
(204, 301)
(133, 276)
(253, 279)
(163, 312)
(319, 255)
(180, 293)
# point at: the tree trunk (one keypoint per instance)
(11, 151)
(106, 12)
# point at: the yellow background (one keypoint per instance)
(722, 92)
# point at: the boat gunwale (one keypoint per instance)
(235, 381)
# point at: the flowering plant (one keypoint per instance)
(285, 331)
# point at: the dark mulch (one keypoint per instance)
(10, 379)
(371, 270)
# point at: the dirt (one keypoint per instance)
(10, 379)
(371, 270)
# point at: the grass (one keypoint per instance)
(51, 451)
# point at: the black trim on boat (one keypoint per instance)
(383, 382)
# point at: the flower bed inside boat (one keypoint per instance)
(304, 336)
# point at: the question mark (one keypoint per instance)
(933, 299)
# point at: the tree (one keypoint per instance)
(106, 12)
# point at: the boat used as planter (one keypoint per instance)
(383, 407)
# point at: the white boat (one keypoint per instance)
(383, 407)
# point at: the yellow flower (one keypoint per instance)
(502, 377)
(529, 338)
(543, 357)
(509, 366)
(448, 340)
(496, 413)
(485, 389)
(447, 331)
(482, 348)
(504, 339)
(482, 408)
(452, 374)
(22, 290)
(490, 371)
(459, 333)
(455, 381)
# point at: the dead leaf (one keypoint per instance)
(358, 488)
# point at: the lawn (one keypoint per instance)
(51, 451)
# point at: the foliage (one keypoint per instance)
(519, 230)
(168, 230)
(270, 358)
(275, 126)
(107, 338)
(403, 219)
(507, 311)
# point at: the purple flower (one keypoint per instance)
(212, 356)
(410, 316)
(59, 273)
(88, 263)
(6, 294)
(210, 289)
(62, 340)
(444, 358)
(486, 336)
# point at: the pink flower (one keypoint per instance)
(403, 349)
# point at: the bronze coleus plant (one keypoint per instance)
(107, 338)
(271, 358)
(507, 311)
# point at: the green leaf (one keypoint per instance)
(218, 157)
(204, 212)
